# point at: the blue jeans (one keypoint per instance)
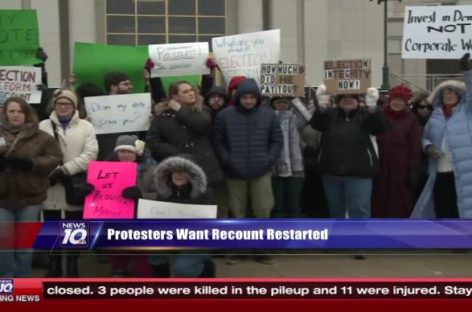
(15, 263)
(182, 265)
(349, 195)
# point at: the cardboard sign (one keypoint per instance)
(149, 209)
(20, 81)
(19, 37)
(119, 113)
(93, 61)
(347, 76)
(437, 32)
(109, 179)
(282, 80)
(243, 55)
(179, 59)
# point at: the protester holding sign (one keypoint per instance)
(288, 172)
(115, 83)
(400, 156)
(76, 138)
(157, 85)
(446, 141)
(185, 128)
(179, 180)
(347, 157)
(27, 157)
(130, 149)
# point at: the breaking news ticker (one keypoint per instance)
(39, 290)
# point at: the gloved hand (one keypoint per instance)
(322, 96)
(211, 63)
(132, 192)
(464, 62)
(371, 97)
(149, 65)
(21, 163)
(41, 54)
(433, 152)
(56, 176)
(87, 189)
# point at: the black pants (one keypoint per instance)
(55, 215)
(445, 197)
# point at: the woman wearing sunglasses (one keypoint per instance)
(421, 108)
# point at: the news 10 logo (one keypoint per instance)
(74, 234)
(6, 286)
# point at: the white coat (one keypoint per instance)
(79, 146)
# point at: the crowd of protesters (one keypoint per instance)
(251, 156)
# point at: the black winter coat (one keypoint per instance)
(185, 132)
(346, 146)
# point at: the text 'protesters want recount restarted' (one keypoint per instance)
(217, 234)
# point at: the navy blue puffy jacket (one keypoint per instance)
(247, 142)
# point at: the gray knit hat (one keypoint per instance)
(130, 143)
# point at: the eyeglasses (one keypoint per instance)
(425, 107)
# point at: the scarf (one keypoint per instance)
(12, 134)
(64, 121)
(393, 115)
(447, 110)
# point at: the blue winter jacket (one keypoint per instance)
(247, 142)
(457, 130)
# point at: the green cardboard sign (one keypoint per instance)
(93, 61)
(19, 37)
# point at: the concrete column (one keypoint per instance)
(49, 37)
(250, 16)
(285, 16)
(11, 5)
(315, 39)
(82, 24)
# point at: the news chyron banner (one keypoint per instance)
(251, 234)
(68, 290)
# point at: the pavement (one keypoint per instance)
(391, 264)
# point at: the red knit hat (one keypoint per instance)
(400, 92)
(234, 83)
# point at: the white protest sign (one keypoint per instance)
(20, 81)
(177, 59)
(119, 113)
(437, 32)
(150, 209)
(242, 55)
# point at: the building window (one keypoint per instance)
(143, 22)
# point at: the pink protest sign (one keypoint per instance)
(109, 179)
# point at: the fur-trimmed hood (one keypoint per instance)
(195, 174)
(435, 98)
